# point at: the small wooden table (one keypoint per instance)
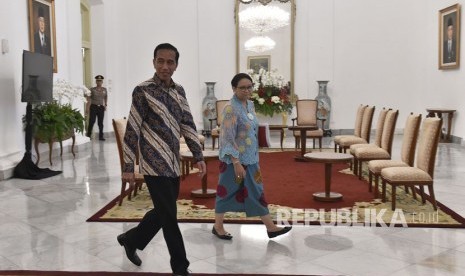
(281, 128)
(433, 112)
(50, 147)
(328, 158)
(303, 140)
(187, 158)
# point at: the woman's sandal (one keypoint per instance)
(226, 236)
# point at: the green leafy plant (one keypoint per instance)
(53, 121)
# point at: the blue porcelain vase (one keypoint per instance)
(209, 106)
(324, 104)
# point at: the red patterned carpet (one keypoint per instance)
(291, 184)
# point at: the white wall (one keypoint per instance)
(380, 52)
(196, 28)
(14, 28)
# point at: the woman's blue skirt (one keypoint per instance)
(241, 195)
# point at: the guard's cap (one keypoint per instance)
(99, 77)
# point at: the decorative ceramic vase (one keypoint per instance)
(209, 106)
(324, 104)
(284, 115)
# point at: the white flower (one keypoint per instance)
(65, 92)
(276, 99)
(266, 78)
(261, 101)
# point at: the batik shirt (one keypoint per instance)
(238, 133)
(159, 116)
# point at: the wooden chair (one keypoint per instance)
(422, 174)
(409, 143)
(307, 115)
(378, 153)
(119, 126)
(378, 137)
(215, 132)
(345, 142)
(357, 128)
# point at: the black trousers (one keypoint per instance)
(164, 192)
(96, 112)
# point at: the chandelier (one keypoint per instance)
(259, 44)
(262, 19)
(263, 2)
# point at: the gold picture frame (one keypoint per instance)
(449, 37)
(258, 62)
(42, 38)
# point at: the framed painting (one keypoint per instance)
(258, 62)
(449, 37)
(42, 37)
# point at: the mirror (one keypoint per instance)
(281, 56)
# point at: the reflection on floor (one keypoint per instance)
(43, 228)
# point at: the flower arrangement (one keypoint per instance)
(57, 120)
(270, 93)
(63, 90)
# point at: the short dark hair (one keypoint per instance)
(238, 77)
(450, 22)
(166, 46)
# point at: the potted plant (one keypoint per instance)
(58, 120)
(55, 122)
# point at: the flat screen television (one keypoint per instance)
(37, 78)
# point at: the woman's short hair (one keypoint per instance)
(238, 77)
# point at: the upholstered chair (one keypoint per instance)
(307, 115)
(119, 127)
(215, 131)
(378, 136)
(357, 128)
(365, 154)
(345, 142)
(423, 172)
(409, 143)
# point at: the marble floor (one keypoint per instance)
(43, 228)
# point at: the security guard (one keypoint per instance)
(96, 106)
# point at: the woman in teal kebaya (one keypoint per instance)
(240, 187)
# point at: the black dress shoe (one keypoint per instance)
(102, 139)
(130, 250)
(226, 236)
(278, 233)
